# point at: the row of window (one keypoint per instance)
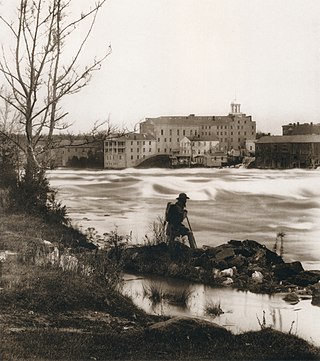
(110, 144)
(112, 157)
(115, 150)
(195, 131)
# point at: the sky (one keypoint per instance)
(177, 57)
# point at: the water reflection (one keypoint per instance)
(242, 311)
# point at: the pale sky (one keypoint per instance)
(176, 57)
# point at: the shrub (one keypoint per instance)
(154, 292)
(33, 194)
(8, 166)
(213, 309)
(158, 233)
(179, 298)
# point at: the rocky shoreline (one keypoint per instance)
(244, 265)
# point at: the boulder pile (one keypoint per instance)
(245, 265)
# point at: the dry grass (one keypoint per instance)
(213, 309)
(50, 314)
(178, 298)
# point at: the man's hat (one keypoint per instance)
(183, 196)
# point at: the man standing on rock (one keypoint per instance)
(175, 214)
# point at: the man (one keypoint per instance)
(176, 213)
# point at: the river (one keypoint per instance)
(224, 204)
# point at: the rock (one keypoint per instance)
(292, 298)
(273, 258)
(252, 244)
(238, 261)
(315, 294)
(222, 264)
(257, 277)
(227, 282)
(228, 272)
(224, 253)
(244, 252)
(307, 278)
(283, 271)
(253, 268)
(235, 243)
(203, 261)
(183, 329)
(260, 257)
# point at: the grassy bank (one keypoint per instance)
(52, 314)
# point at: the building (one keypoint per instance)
(300, 129)
(217, 159)
(232, 130)
(288, 151)
(198, 145)
(82, 152)
(126, 151)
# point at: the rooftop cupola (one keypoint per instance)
(235, 108)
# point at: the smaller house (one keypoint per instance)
(216, 159)
(198, 145)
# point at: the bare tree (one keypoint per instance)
(38, 73)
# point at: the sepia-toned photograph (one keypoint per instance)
(159, 180)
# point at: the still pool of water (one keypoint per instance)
(242, 310)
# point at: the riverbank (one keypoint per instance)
(49, 313)
(244, 265)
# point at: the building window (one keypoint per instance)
(170, 131)
(183, 132)
(144, 150)
(131, 150)
(170, 140)
(132, 157)
(178, 140)
(149, 142)
(138, 156)
(178, 131)
(161, 131)
(143, 143)
(158, 150)
(158, 139)
(149, 150)
(165, 139)
(137, 150)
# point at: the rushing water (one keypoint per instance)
(224, 204)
